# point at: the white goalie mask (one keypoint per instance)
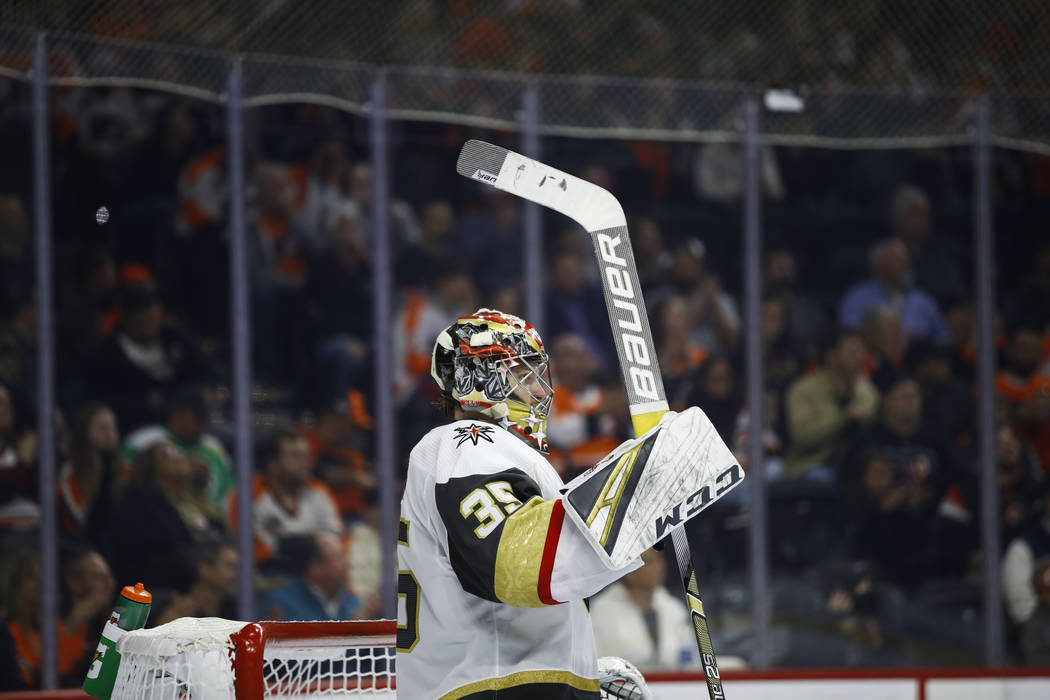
(494, 364)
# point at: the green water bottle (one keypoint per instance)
(129, 613)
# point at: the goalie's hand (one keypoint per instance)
(646, 487)
(619, 678)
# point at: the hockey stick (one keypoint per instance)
(601, 215)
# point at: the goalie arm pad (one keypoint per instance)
(648, 486)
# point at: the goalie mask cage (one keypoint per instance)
(216, 659)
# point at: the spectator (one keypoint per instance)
(89, 590)
(1035, 633)
(279, 250)
(211, 594)
(936, 269)
(935, 475)
(10, 665)
(287, 500)
(95, 474)
(16, 262)
(89, 308)
(434, 250)
(576, 306)
(1018, 570)
(961, 319)
(490, 241)
(720, 170)
(185, 429)
(18, 480)
(891, 285)
(1032, 299)
(166, 151)
(638, 619)
(651, 255)
(340, 294)
(338, 442)
(148, 535)
(316, 590)
(147, 357)
(855, 600)
(893, 517)
(404, 229)
(717, 394)
(825, 408)
(423, 314)
(1020, 477)
(880, 329)
(364, 556)
(20, 611)
(202, 192)
(807, 320)
(712, 313)
(278, 246)
(680, 356)
(18, 352)
(1024, 391)
(319, 184)
(947, 400)
(581, 428)
(781, 359)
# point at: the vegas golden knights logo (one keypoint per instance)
(473, 433)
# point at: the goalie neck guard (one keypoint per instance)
(494, 364)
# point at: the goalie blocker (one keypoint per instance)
(648, 486)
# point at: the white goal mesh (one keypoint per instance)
(215, 659)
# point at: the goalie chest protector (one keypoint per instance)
(460, 563)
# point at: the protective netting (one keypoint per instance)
(199, 658)
(879, 73)
(938, 43)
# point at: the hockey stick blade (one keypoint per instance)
(597, 211)
(590, 206)
(600, 213)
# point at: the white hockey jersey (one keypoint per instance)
(491, 576)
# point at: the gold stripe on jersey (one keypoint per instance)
(521, 678)
(402, 532)
(520, 554)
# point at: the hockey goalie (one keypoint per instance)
(496, 555)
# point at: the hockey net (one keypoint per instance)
(216, 659)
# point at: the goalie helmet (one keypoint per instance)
(494, 364)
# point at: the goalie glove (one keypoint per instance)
(618, 678)
(648, 486)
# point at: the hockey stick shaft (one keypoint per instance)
(599, 212)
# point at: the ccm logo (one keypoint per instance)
(484, 176)
(635, 350)
(697, 501)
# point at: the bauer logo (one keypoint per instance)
(617, 277)
(485, 177)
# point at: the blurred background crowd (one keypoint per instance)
(867, 331)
